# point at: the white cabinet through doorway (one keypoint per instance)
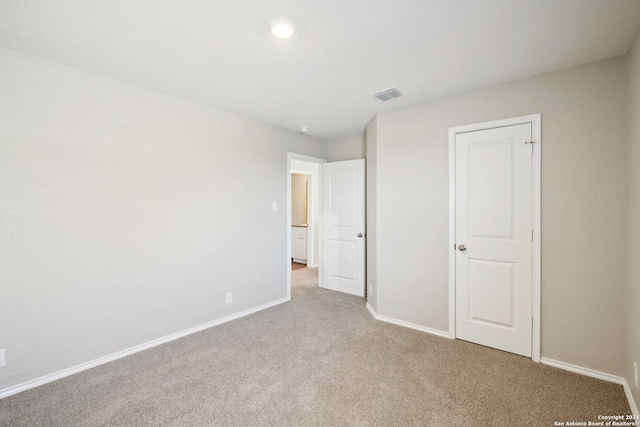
(299, 244)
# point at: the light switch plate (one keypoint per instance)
(3, 360)
(274, 206)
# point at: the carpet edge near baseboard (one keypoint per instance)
(595, 374)
(409, 325)
(26, 385)
(544, 360)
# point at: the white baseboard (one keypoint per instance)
(407, 324)
(131, 350)
(595, 374)
(632, 402)
(581, 370)
(372, 311)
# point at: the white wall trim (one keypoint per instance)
(131, 350)
(536, 132)
(452, 234)
(302, 157)
(583, 371)
(536, 310)
(632, 402)
(372, 311)
(407, 324)
(595, 374)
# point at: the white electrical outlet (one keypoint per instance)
(3, 360)
(635, 373)
(229, 297)
(370, 289)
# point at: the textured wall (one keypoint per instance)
(632, 296)
(126, 214)
(583, 204)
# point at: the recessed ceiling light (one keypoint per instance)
(282, 28)
(304, 129)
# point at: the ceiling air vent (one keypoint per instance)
(387, 94)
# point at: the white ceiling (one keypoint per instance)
(218, 52)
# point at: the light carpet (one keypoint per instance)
(319, 360)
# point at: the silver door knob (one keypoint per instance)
(359, 234)
(462, 248)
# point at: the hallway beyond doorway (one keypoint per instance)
(297, 266)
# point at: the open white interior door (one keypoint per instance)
(343, 218)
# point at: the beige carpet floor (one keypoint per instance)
(320, 360)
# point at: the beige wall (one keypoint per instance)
(348, 148)
(583, 204)
(632, 295)
(126, 214)
(298, 199)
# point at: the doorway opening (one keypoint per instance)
(300, 216)
(304, 218)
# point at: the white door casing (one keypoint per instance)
(495, 249)
(343, 242)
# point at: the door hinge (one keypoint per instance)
(531, 322)
(532, 235)
(530, 143)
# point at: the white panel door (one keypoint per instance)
(494, 237)
(343, 225)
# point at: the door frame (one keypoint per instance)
(318, 179)
(536, 129)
